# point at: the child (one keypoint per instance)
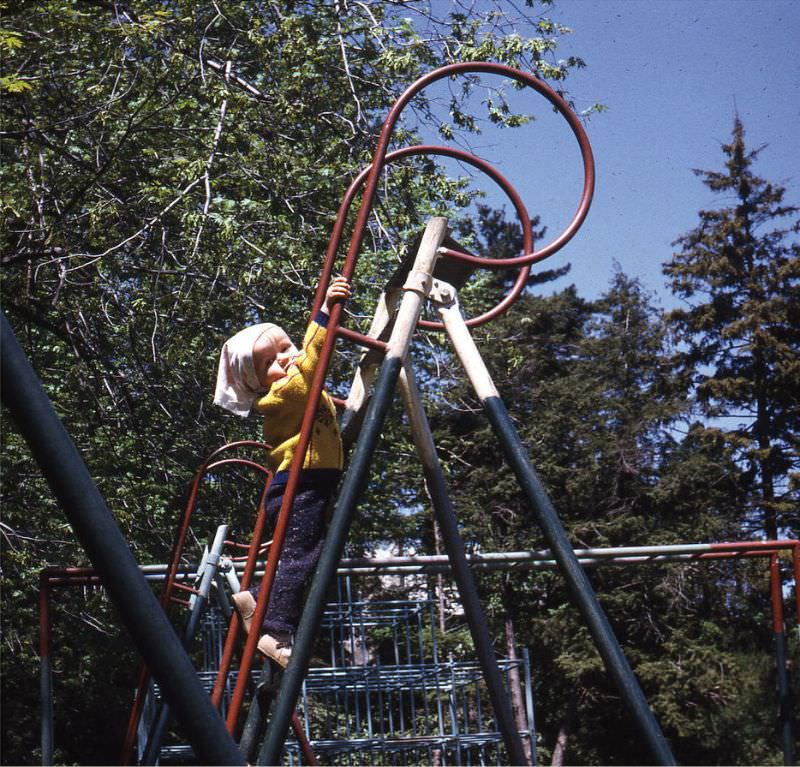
(260, 367)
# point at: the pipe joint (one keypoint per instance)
(418, 281)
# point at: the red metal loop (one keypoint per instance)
(238, 462)
(566, 112)
(369, 176)
(501, 181)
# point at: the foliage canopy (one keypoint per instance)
(171, 172)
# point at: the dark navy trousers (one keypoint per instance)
(301, 546)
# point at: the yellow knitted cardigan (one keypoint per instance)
(284, 404)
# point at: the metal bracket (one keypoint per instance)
(443, 293)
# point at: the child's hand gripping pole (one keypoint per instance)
(339, 290)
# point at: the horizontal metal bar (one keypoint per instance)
(82, 576)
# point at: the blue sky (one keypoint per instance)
(671, 73)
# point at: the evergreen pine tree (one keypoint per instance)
(739, 274)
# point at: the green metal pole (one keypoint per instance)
(454, 544)
(547, 518)
(256, 720)
(98, 532)
(353, 484)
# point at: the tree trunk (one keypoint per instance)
(763, 431)
(514, 681)
(564, 732)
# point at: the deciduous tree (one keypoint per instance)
(171, 172)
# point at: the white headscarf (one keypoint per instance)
(238, 386)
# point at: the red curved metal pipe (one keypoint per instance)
(487, 68)
(382, 157)
(776, 595)
(183, 527)
(461, 156)
(44, 614)
(177, 553)
(348, 269)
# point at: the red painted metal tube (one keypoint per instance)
(786, 543)
(177, 553)
(184, 587)
(380, 158)
(461, 156)
(776, 595)
(233, 629)
(487, 68)
(305, 747)
(362, 340)
(339, 403)
(235, 621)
(348, 269)
(79, 580)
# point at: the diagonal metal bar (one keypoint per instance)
(454, 544)
(97, 530)
(576, 579)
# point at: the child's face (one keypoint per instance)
(273, 352)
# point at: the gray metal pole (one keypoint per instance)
(507, 560)
(529, 709)
(784, 699)
(454, 543)
(46, 670)
(97, 530)
(784, 689)
(415, 290)
(208, 571)
(547, 518)
(46, 689)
